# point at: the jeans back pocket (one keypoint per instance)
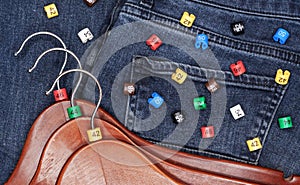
(257, 96)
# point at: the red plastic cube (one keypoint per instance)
(60, 94)
(207, 132)
(154, 42)
(238, 68)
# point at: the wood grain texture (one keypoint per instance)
(65, 140)
(72, 136)
(111, 162)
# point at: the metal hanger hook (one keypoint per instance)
(90, 75)
(67, 51)
(50, 34)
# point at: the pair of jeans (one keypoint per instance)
(23, 94)
(125, 57)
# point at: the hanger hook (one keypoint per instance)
(90, 75)
(67, 51)
(46, 33)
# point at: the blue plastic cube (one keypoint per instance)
(201, 39)
(281, 35)
(156, 100)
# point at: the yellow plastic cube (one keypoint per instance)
(254, 144)
(282, 78)
(51, 10)
(94, 134)
(187, 19)
(179, 76)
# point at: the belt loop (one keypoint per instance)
(147, 3)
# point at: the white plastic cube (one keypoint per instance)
(85, 35)
(237, 112)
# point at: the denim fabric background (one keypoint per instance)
(261, 98)
(22, 96)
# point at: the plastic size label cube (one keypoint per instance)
(51, 10)
(187, 19)
(282, 78)
(201, 39)
(94, 134)
(237, 28)
(281, 35)
(90, 2)
(238, 68)
(60, 94)
(179, 76)
(74, 112)
(237, 112)
(154, 42)
(212, 85)
(178, 117)
(285, 122)
(129, 88)
(156, 100)
(85, 35)
(199, 103)
(254, 144)
(207, 132)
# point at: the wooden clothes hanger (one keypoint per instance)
(67, 140)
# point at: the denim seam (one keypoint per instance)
(248, 12)
(200, 75)
(129, 117)
(197, 151)
(129, 123)
(126, 124)
(218, 39)
(282, 92)
(109, 26)
(261, 130)
(240, 83)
